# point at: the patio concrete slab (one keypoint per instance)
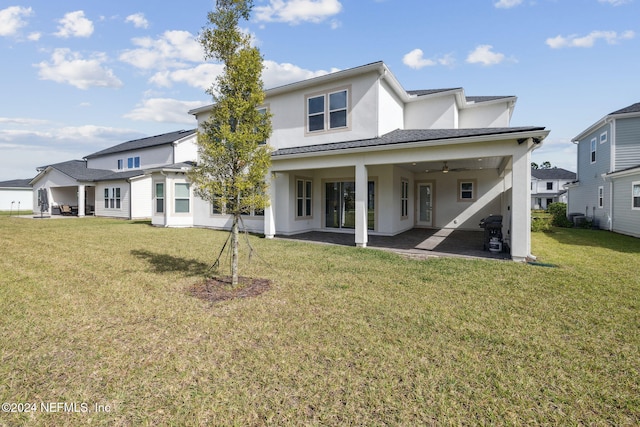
(415, 243)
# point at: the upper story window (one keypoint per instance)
(593, 150)
(603, 137)
(328, 111)
(550, 185)
(263, 113)
(120, 164)
(133, 162)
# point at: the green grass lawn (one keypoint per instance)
(95, 312)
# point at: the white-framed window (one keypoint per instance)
(218, 209)
(550, 185)
(594, 144)
(304, 199)
(404, 198)
(133, 162)
(635, 195)
(466, 190)
(603, 137)
(600, 197)
(112, 198)
(263, 112)
(328, 111)
(159, 197)
(120, 164)
(181, 197)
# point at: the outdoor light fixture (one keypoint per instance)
(445, 168)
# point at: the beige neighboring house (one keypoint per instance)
(354, 152)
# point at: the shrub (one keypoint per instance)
(558, 213)
(540, 224)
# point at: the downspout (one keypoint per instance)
(165, 187)
(612, 168)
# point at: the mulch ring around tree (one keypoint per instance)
(217, 289)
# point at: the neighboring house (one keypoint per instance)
(607, 189)
(356, 153)
(16, 195)
(547, 186)
(112, 182)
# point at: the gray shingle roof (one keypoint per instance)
(634, 108)
(16, 183)
(554, 173)
(400, 136)
(77, 169)
(152, 141)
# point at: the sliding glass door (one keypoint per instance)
(340, 205)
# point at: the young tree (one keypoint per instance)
(233, 157)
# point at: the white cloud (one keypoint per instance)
(11, 19)
(611, 37)
(416, 60)
(34, 37)
(171, 50)
(201, 76)
(69, 67)
(138, 20)
(507, 4)
(484, 55)
(74, 24)
(275, 74)
(297, 11)
(164, 110)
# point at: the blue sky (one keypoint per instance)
(79, 76)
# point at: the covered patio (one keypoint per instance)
(415, 243)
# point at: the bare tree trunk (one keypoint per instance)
(234, 251)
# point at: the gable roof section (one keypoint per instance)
(407, 136)
(77, 169)
(385, 73)
(16, 183)
(634, 108)
(553, 173)
(137, 144)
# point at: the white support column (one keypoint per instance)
(521, 207)
(269, 217)
(81, 200)
(362, 190)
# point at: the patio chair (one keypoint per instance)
(65, 210)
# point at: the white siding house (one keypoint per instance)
(16, 195)
(607, 189)
(547, 186)
(356, 153)
(113, 182)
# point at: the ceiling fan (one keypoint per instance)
(445, 169)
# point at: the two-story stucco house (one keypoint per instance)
(607, 189)
(112, 182)
(547, 186)
(354, 152)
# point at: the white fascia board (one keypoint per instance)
(419, 144)
(628, 172)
